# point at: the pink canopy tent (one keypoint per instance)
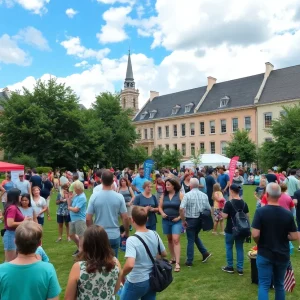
(4, 167)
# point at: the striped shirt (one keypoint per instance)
(194, 202)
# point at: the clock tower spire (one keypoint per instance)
(129, 96)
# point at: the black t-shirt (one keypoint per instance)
(297, 197)
(210, 181)
(46, 189)
(230, 211)
(274, 223)
(36, 180)
(271, 178)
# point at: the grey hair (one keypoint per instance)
(78, 185)
(194, 182)
(273, 190)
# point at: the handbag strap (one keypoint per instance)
(147, 248)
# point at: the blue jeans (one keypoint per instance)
(229, 241)
(268, 270)
(192, 233)
(115, 244)
(226, 195)
(136, 291)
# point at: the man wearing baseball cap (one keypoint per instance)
(23, 185)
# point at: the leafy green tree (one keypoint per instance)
(26, 160)
(267, 155)
(196, 157)
(284, 151)
(44, 123)
(137, 156)
(158, 157)
(172, 158)
(241, 145)
(116, 132)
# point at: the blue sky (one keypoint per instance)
(175, 44)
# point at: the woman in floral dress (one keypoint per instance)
(96, 274)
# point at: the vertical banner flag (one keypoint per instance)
(232, 166)
(148, 165)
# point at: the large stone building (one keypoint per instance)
(205, 117)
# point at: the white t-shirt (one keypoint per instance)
(38, 206)
(135, 249)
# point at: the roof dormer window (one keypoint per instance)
(175, 109)
(143, 115)
(152, 113)
(188, 107)
(224, 101)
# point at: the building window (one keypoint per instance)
(143, 115)
(175, 146)
(167, 132)
(223, 146)
(202, 147)
(159, 132)
(212, 125)
(147, 150)
(283, 113)
(167, 147)
(235, 124)
(192, 128)
(183, 149)
(175, 130)
(224, 101)
(188, 107)
(212, 147)
(202, 132)
(159, 146)
(134, 105)
(151, 133)
(248, 123)
(268, 139)
(223, 126)
(152, 114)
(146, 134)
(175, 109)
(268, 120)
(192, 148)
(182, 129)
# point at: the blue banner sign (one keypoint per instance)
(148, 165)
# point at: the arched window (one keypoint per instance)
(124, 102)
(134, 102)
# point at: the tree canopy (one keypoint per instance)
(241, 145)
(49, 125)
(166, 158)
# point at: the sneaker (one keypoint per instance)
(228, 270)
(188, 264)
(75, 253)
(241, 273)
(206, 256)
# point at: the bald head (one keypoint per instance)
(273, 191)
(194, 183)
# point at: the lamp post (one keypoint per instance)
(76, 158)
(8, 155)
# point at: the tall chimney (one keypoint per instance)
(210, 82)
(269, 69)
(153, 94)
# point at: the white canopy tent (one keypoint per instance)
(212, 160)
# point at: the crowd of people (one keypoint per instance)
(188, 201)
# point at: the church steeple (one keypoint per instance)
(129, 80)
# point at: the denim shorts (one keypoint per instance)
(9, 240)
(170, 227)
(63, 219)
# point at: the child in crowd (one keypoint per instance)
(260, 191)
(160, 187)
(41, 252)
(123, 238)
(219, 203)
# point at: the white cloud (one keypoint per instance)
(74, 47)
(116, 1)
(35, 6)
(113, 31)
(70, 12)
(83, 63)
(140, 11)
(10, 53)
(33, 37)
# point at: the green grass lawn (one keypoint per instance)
(205, 281)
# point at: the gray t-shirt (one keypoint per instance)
(23, 186)
(107, 206)
(135, 249)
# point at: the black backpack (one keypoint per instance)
(161, 274)
(240, 222)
